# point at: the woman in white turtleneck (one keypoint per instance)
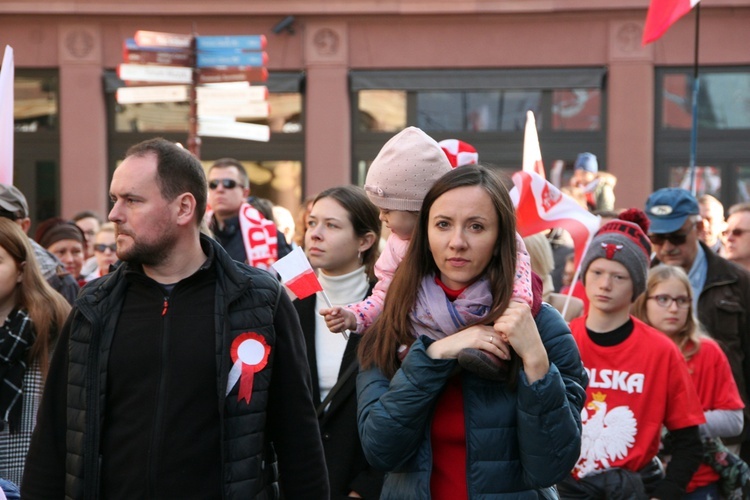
(343, 231)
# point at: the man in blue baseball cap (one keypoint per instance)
(597, 186)
(721, 289)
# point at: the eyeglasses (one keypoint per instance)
(227, 183)
(736, 232)
(101, 247)
(675, 239)
(683, 301)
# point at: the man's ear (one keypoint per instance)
(186, 206)
(25, 224)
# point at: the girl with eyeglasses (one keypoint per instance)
(667, 305)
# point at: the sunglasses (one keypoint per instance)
(101, 247)
(227, 183)
(683, 301)
(736, 232)
(675, 239)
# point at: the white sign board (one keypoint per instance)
(234, 130)
(161, 74)
(164, 93)
(247, 109)
(231, 93)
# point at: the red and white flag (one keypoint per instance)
(6, 117)
(662, 14)
(459, 152)
(540, 206)
(532, 153)
(297, 274)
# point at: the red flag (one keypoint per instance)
(297, 274)
(540, 205)
(532, 153)
(662, 14)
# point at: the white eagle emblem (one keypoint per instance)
(607, 435)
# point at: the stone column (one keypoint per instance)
(327, 115)
(84, 183)
(630, 118)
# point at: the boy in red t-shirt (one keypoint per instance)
(638, 381)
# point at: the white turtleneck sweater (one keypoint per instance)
(329, 347)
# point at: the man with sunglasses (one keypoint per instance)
(737, 235)
(228, 191)
(721, 288)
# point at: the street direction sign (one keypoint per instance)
(164, 93)
(241, 74)
(257, 109)
(161, 74)
(234, 130)
(247, 42)
(159, 39)
(166, 58)
(231, 58)
(222, 92)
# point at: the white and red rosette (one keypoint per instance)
(249, 354)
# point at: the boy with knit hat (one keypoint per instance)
(398, 179)
(638, 381)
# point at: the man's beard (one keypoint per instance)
(148, 254)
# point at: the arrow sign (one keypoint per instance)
(157, 57)
(257, 109)
(166, 93)
(232, 92)
(231, 58)
(161, 74)
(159, 39)
(248, 42)
(218, 75)
(234, 130)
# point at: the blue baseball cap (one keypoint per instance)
(669, 208)
(587, 162)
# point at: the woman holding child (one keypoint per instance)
(441, 432)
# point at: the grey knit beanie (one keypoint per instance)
(405, 169)
(625, 242)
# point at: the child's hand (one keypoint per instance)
(339, 319)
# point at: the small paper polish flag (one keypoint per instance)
(297, 274)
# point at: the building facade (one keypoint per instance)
(346, 75)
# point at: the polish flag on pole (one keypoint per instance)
(540, 206)
(297, 274)
(662, 14)
(6, 117)
(532, 153)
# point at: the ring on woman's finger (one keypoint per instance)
(491, 339)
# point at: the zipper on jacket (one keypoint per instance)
(157, 431)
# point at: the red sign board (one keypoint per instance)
(159, 39)
(238, 74)
(156, 57)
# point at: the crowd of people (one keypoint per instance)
(158, 355)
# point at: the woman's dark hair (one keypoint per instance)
(364, 216)
(392, 328)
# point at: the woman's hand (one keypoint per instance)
(516, 326)
(478, 336)
(339, 319)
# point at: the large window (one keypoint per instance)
(37, 141)
(274, 167)
(723, 131)
(486, 108)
